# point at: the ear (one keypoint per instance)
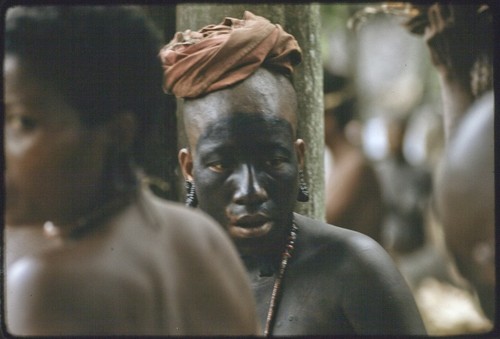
(186, 163)
(300, 149)
(122, 130)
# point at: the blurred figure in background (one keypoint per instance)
(82, 85)
(352, 195)
(406, 190)
(460, 40)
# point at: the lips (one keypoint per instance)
(250, 226)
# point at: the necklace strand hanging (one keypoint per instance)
(277, 290)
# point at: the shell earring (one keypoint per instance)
(303, 195)
(191, 198)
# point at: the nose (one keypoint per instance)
(249, 190)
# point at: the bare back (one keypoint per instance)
(155, 268)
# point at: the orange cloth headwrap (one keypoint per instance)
(217, 56)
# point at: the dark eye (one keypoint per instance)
(276, 162)
(218, 166)
(21, 123)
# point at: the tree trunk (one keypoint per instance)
(303, 22)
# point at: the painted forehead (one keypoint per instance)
(264, 93)
(248, 130)
(246, 136)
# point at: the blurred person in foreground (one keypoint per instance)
(460, 40)
(242, 166)
(353, 198)
(82, 85)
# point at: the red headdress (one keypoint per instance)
(217, 56)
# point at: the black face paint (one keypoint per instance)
(245, 170)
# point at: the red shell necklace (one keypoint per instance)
(277, 290)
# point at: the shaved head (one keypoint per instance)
(263, 93)
(244, 157)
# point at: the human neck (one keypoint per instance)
(81, 225)
(267, 258)
(261, 265)
(268, 254)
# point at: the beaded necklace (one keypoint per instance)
(277, 291)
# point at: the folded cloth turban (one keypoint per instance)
(217, 56)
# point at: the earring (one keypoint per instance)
(303, 195)
(191, 198)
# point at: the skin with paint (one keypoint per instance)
(244, 158)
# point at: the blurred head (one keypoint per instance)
(81, 85)
(103, 60)
(339, 104)
(473, 26)
(244, 158)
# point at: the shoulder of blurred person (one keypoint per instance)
(110, 258)
(163, 257)
(465, 197)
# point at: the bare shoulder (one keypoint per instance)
(474, 136)
(205, 259)
(362, 273)
(183, 222)
(137, 275)
(350, 246)
(461, 205)
(353, 260)
(43, 296)
(193, 235)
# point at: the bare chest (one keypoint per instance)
(305, 304)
